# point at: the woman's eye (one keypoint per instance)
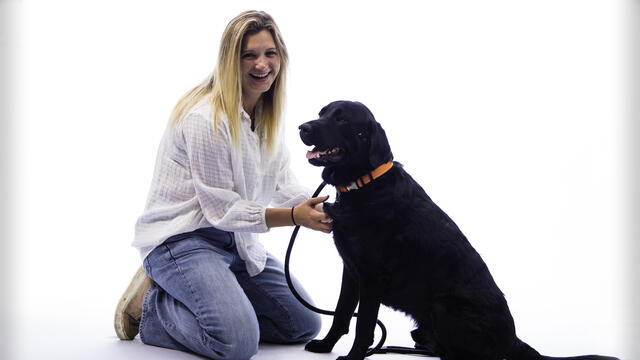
(248, 56)
(272, 53)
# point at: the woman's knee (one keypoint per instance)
(236, 337)
(236, 350)
(308, 327)
(301, 329)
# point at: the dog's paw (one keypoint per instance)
(318, 346)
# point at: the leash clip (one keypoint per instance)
(352, 186)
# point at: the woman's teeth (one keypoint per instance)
(262, 76)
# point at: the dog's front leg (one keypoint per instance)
(367, 316)
(347, 303)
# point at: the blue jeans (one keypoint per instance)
(204, 301)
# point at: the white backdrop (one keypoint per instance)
(513, 115)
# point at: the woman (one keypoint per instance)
(208, 285)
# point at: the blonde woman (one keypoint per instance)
(208, 286)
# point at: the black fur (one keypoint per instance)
(401, 250)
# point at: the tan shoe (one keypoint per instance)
(129, 309)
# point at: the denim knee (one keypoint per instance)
(234, 351)
(308, 328)
(238, 341)
(304, 327)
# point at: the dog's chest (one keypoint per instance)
(361, 234)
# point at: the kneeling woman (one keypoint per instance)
(208, 286)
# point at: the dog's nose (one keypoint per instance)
(304, 129)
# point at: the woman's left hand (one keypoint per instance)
(320, 208)
(310, 214)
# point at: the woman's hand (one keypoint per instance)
(310, 214)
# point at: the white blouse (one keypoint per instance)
(200, 180)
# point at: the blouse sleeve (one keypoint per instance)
(288, 191)
(209, 157)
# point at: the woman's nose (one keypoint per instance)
(261, 62)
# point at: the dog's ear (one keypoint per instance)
(379, 149)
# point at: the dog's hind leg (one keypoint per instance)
(345, 308)
(423, 336)
(471, 331)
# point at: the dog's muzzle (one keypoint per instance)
(305, 133)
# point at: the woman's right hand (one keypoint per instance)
(308, 215)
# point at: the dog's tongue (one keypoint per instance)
(313, 154)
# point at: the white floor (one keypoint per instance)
(64, 310)
(88, 334)
(80, 332)
(136, 349)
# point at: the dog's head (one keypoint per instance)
(347, 140)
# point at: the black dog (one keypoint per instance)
(401, 250)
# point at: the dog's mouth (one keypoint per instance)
(323, 157)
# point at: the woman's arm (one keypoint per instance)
(305, 214)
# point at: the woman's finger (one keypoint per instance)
(317, 200)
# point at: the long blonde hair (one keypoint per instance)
(225, 83)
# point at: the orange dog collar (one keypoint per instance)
(364, 180)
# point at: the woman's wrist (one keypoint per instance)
(293, 218)
(278, 217)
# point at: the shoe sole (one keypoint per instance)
(122, 320)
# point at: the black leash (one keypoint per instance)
(378, 349)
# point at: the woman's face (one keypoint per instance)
(260, 63)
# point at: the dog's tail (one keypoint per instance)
(522, 351)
